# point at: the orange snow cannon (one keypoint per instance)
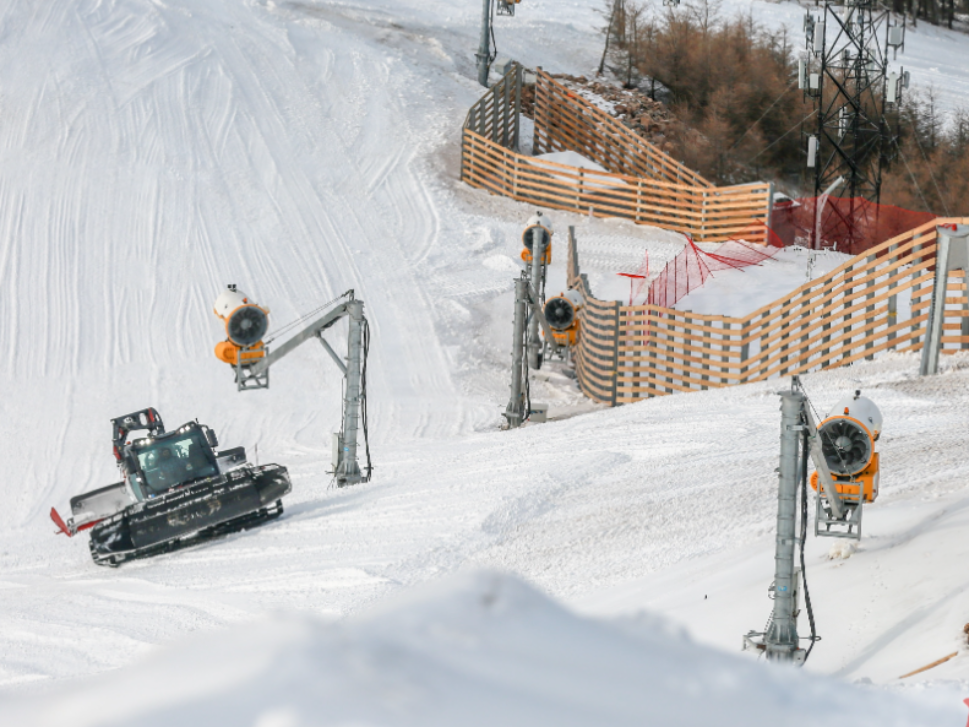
(245, 325)
(544, 226)
(562, 314)
(848, 437)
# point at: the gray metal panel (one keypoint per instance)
(952, 253)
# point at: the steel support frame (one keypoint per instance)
(483, 55)
(346, 467)
(537, 282)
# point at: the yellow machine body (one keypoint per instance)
(245, 325)
(232, 354)
(527, 254)
(568, 336)
(865, 483)
(848, 435)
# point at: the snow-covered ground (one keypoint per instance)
(738, 292)
(150, 153)
(482, 649)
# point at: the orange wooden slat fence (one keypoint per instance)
(644, 184)
(875, 302)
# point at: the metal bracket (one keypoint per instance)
(333, 354)
(846, 526)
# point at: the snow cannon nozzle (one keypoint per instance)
(542, 225)
(246, 323)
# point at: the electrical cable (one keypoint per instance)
(821, 432)
(363, 398)
(293, 324)
(526, 389)
(805, 445)
(931, 173)
(784, 134)
(741, 138)
(491, 25)
(914, 180)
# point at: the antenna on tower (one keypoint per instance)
(845, 71)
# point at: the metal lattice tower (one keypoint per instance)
(852, 135)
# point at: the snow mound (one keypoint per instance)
(477, 649)
(572, 159)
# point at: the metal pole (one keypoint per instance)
(537, 275)
(951, 253)
(515, 412)
(933, 327)
(484, 47)
(348, 472)
(781, 638)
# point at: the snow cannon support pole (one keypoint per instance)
(515, 411)
(484, 47)
(952, 253)
(535, 347)
(781, 640)
(348, 469)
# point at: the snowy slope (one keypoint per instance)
(151, 152)
(478, 650)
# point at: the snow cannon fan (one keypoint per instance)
(245, 325)
(562, 313)
(848, 435)
(544, 225)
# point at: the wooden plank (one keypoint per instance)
(578, 108)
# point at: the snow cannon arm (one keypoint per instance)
(824, 474)
(252, 363)
(537, 311)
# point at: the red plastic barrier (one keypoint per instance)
(691, 268)
(851, 225)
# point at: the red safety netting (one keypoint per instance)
(692, 266)
(851, 225)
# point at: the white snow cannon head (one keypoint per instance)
(245, 325)
(848, 435)
(562, 314)
(543, 225)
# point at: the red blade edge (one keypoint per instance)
(59, 522)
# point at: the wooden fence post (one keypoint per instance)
(670, 335)
(615, 355)
(869, 309)
(785, 331)
(847, 316)
(916, 259)
(639, 199)
(804, 353)
(964, 329)
(515, 175)
(705, 356)
(893, 298)
(763, 355)
(744, 353)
